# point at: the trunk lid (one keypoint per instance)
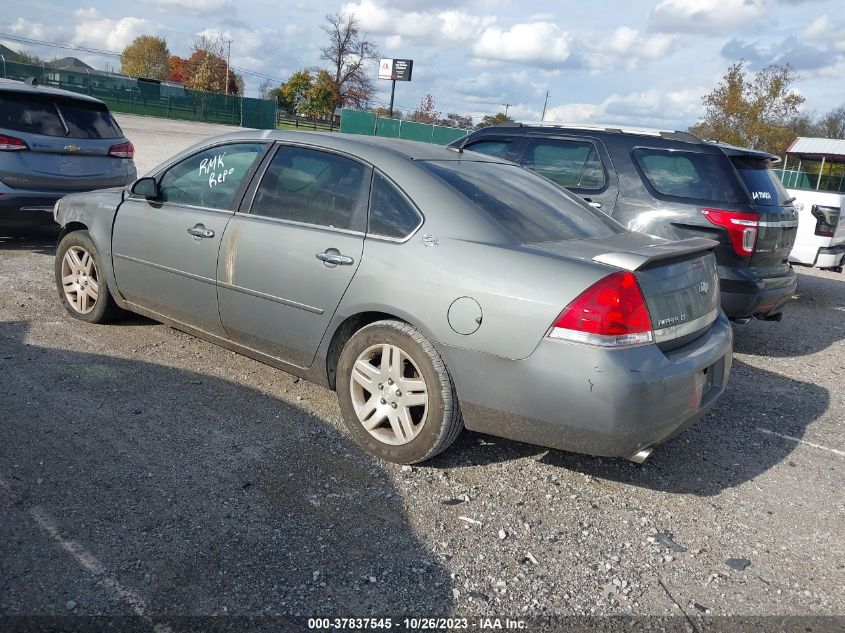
(679, 280)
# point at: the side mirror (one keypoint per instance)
(146, 188)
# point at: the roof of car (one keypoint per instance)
(370, 148)
(24, 87)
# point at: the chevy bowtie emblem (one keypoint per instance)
(704, 287)
(72, 148)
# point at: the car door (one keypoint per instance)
(285, 264)
(165, 250)
(580, 165)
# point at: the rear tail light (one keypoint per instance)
(12, 143)
(124, 150)
(610, 313)
(826, 219)
(742, 228)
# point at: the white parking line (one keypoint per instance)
(92, 565)
(800, 441)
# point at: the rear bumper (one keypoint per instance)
(758, 297)
(600, 402)
(831, 256)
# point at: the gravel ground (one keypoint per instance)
(146, 472)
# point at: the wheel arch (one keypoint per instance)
(70, 227)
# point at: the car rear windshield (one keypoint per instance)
(56, 116)
(691, 175)
(528, 206)
(765, 188)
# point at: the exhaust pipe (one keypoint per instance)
(641, 455)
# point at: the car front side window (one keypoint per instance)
(569, 163)
(209, 178)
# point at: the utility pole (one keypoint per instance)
(545, 103)
(228, 57)
(507, 105)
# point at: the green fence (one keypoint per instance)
(358, 122)
(148, 97)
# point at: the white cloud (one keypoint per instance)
(114, 35)
(32, 30)
(715, 17)
(541, 43)
(195, 7)
(624, 47)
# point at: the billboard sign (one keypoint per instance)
(396, 69)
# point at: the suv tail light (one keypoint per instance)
(124, 150)
(12, 143)
(610, 313)
(742, 228)
(826, 219)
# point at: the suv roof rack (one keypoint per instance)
(675, 135)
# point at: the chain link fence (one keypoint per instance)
(149, 97)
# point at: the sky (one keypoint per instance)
(635, 62)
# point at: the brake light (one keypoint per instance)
(610, 313)
(826, 219)
(12, 143)
(124, 150)
(742, 228)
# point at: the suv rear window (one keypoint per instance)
(691, 175)
(56, 116)
(529, 207)
(765, 188)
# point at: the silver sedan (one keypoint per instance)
(433, 289)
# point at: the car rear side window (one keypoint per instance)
(314, 187)
(493, 147)
(209, 178)
(530, 208)
(765, 188)
(690, 175)
(391, 215)
(56, 116)
(568, 163)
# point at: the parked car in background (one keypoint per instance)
(54, 142)
(676, 186)
(814, 174)
(431, 289)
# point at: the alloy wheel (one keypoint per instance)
(80, 279)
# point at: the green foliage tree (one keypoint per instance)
(321, 96)
(494, 119)
(295, 89)
(752, 112)
(146, 56)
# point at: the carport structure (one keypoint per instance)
(815, 157)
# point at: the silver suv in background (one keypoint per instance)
(54, 142)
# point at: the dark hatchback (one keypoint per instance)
(673, 185)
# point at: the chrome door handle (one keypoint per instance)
(595, 205)
(200, 231)
(335, 258)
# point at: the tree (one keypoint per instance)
(456, 120)
(296, 88)
(321, 96)
(146, 56)
(264, 89)
(206, 68)
(832, 124)
(496, 119)
(348, 52)
(754, 112)
(282, 102)
(426, 112)
(178, 69)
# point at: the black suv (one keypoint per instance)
(673, 185)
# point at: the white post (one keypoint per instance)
(821, 169)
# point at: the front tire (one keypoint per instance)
(81, 281)
(395, 393)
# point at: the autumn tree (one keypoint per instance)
(489, 120)
(348, 52)
(146, 56)
(296, 88)
(426, 112)
(832, 124)
(457, 121)
(206, 68)
(321, 96)
(752, 112)
(178, 69)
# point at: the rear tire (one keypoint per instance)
(396, 395)
(81, 282)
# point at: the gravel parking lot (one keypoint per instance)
(145, 472)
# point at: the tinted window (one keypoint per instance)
(314, 187)
(568, 163)
(209, 178)
(690, 175)
(532, 209)
(491, 148)
(391, 215)
(761, 182)
(39, 114)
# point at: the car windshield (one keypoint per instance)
(528, 206)
(762, 184)
(56, 116)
